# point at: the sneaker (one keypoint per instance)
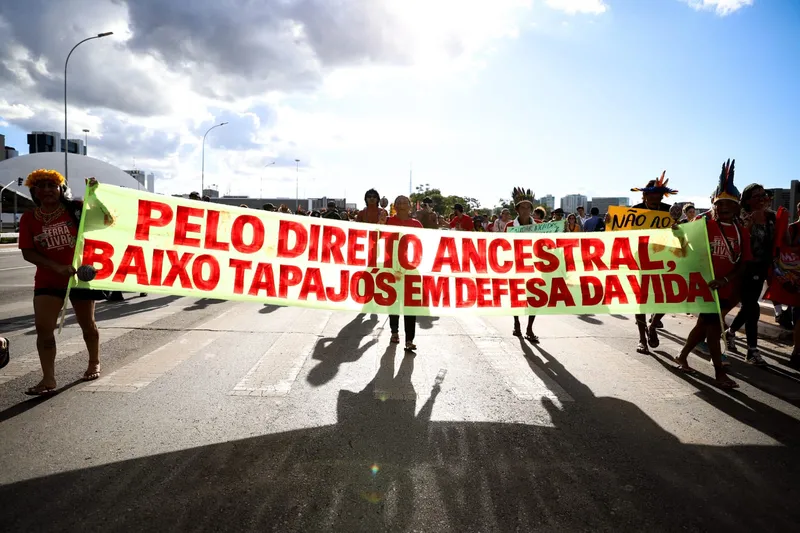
(730, 341)
(4, 352)
(725, 361)
(754, 358)
(656, 323)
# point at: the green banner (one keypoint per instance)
(556, 226)
(141, 242)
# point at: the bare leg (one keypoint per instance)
(46, 310)
(84, 312)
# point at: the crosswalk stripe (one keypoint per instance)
(509, 363)
(146, 369)
(277, 369)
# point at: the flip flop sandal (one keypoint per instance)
(91, 377)
(686, 370)
(652, 338)
(642, 348)
(40, 391)
(727, 384)
(395, 338)
(532, 338)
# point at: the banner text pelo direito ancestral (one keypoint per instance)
(210, 250)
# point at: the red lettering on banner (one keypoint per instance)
(289, 276)
(621, 254)
(520, 256)
(145, 220)
(549, 261)
(446, 254)
(499, 288)
(435, 291)
(494, 252)
(132, 262)
(644, 255)
(568, 245)
(340, 296)
(412, 290)
(354, 247)
(591, 290)
(473, 256)
(333, 240)
(407, 243)
(312, 283)
(263, 280)
(592, 251)
(237, 234)
(385, 293)
(98, 252)
(183, 226)
(372, 249)
(517, 293)
(212, 229)
(675, 288)
(559, 292)
(286, 229)
(483, 291)
(698, 288)
(356, 294)
(655, 283)
(201, 282)
(468, 299)
(313, 243)
(238, 281)
(177, 269)
(158, 267)
(389, 238)
(639, 290)
(614, 290)
(537, 298)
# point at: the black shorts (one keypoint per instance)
(75, 295)
(714, 317)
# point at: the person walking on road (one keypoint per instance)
(47, 237)
(523, 203)
(402, 217)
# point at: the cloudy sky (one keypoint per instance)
(562, 96)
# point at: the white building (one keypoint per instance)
(571, 202)
(151, 182)
(549, 201)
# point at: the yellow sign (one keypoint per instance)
(627, 218)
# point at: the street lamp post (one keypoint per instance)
(85, 141)
(261, 193)
(66, 144)
(203, 171)
(297, 185)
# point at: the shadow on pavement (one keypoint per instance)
(602, 466)
(103, 311)
(426, 322)
(203, 303)
(268, 308)
(589, 319)
(33, 401)
(346, 347)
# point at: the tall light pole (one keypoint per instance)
(66, 144)
(86, 141)
(297, 185)
(203, 171)
(261, 193)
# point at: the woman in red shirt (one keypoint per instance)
(730, 251)
(402, 217)
(47, 238)
(373, 212)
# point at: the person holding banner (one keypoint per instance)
(761, 223)
(523, 203)
(47, 238)
(729, 244)
(402, 217)
(461, 221)
(652, 195)
(372, 212)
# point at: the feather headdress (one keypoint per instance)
(520, 195)
(657, 186)
(38, 176)
(726, 190)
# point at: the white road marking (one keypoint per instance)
(277, 369)
(17, 268)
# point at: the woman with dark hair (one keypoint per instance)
(47, 237)
(523, 204)
(402, 217)
(372, 213)
(760, 221)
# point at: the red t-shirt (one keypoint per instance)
(55, 241)
(370, 215)
(409, 222)
(463, 222)
(724, 257)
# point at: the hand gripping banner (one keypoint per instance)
(141, 242)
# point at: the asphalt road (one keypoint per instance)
(217, 415)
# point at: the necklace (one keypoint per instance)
(47, 218)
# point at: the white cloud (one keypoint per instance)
(720, 7)
(572, 7)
